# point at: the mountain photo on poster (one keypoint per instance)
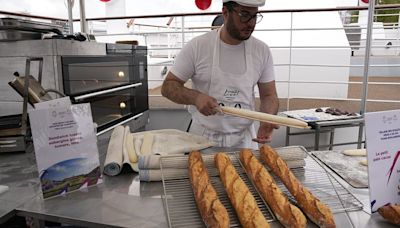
(69, 175)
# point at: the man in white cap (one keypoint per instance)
(224, 66)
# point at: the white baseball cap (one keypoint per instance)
(249, 3)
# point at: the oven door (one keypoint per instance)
(85, 74)
(112, 106)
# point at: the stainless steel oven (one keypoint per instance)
(115, 86)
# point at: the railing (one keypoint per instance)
(167, 40)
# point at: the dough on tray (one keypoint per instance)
(364, 162)
(355, 152)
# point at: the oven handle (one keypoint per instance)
(81, 97)
(120, 123)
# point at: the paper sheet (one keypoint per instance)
(171, 141)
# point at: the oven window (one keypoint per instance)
(85, 77)
(85, 74)
(109, 109)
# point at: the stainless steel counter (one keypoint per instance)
(121, 201)
(18, 171)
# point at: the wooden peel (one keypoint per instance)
(264, 117)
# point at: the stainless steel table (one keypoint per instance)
(18, 171)
(329, 126)
(121, 201)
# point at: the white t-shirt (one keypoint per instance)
(195, 60)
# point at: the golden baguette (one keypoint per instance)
(317, 211)
(211, 209)
(265, 117)
(288, 214)
(241, 198)
(391, 213)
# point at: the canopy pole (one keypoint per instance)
(84, 27)
(70, 19)
(370, 24)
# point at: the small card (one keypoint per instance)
(383, 151)
(65, 147)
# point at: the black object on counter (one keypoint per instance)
(77, 36)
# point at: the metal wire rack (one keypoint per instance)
(181, 206)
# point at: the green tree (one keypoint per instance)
(384, 15)
(392, 15)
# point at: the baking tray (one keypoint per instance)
(181, 207)
(310, 115)
(347, 167)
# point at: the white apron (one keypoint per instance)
(232, 90)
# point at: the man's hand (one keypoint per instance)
(206, 105)
(264, 134)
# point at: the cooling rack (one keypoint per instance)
(181, 207)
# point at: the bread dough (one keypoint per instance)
(130, 147)
(147, 144)
(355, 152)
(364, 162)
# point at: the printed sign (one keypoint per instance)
(65, 147)
(383, 148)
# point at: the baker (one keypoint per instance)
(224, 66)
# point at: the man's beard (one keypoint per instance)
(233, 30)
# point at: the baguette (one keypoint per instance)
(264, 117)
(317, 211)
(211, 209)
(391, 213)
(288, 214)
(241, 198)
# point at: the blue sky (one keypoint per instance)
(69, 168)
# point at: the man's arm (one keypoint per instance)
(269, 103)
(173, 88)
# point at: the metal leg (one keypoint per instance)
(332, 135)
(360, 135)
(24, 120)
(317, 132)
(287, 136)
(26, 97)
